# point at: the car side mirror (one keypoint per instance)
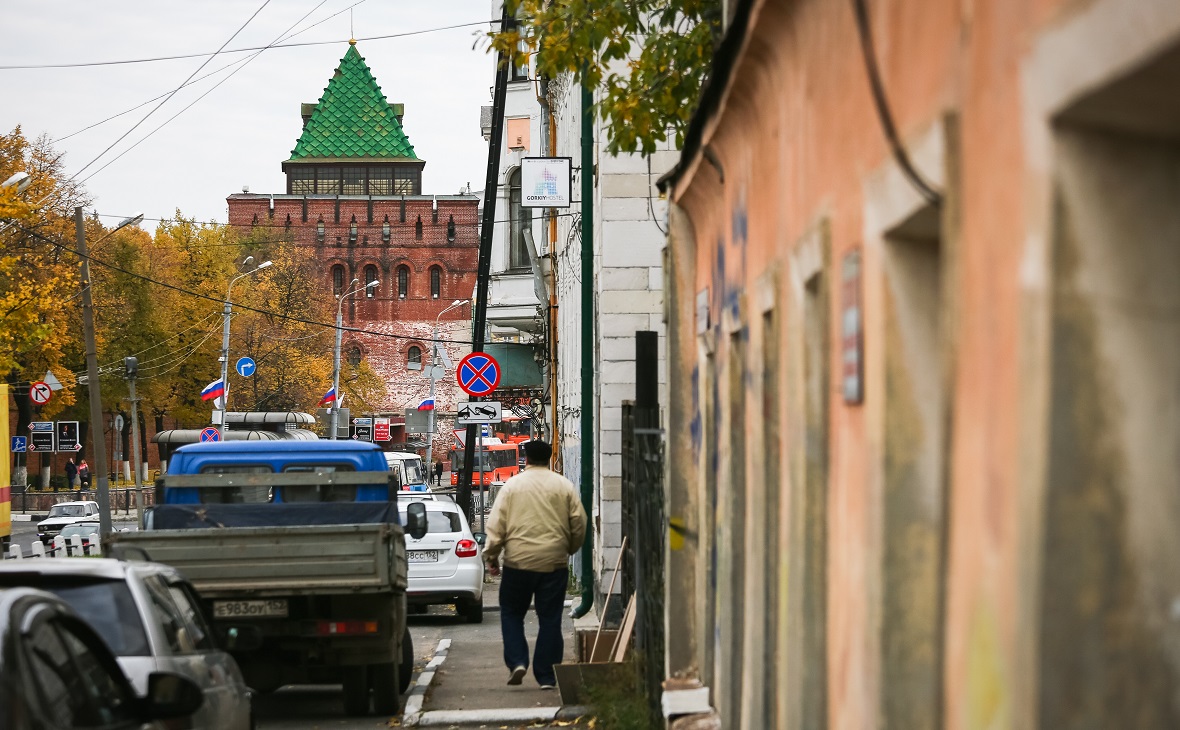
(481, 538)
(416, 520)
(171, 695)
(241, 638)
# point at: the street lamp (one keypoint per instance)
(336, 353)
(225, 316)
(20, 181)
(433, 378)
(92, 383)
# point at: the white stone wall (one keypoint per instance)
(628, 284)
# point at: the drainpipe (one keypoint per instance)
(587, 347)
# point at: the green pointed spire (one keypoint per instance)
(353, 119)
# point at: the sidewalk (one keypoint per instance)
(468, 679)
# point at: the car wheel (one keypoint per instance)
(471, 610)
(356, 691)
(405, 669)
(386, 692)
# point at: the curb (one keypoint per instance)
(412, 714)
(22, 518)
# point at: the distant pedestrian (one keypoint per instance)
(71, 473)
(536, 523)
(438, 471)
(84, 473)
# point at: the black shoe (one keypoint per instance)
(517, 675)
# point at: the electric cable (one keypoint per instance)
(387, 36)
(864, 30)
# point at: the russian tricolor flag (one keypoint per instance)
(216, 389)
(426, 405)
(329, 397)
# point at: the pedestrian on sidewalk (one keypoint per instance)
(536, 523)
(71, 473)
(84, 473)
(438, 470)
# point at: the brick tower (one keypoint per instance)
(354, 193)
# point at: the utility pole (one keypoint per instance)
(483, 272)
(131, 371)
(226, 313)
(92, 383)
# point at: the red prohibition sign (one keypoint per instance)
(478, 374)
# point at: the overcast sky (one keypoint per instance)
(242, 131)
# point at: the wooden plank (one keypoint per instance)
(609, 594)
(623, 641)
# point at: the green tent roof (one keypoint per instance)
(353, 119)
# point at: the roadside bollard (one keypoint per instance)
(75, 550)
(95, 544)
(14, 551)
(38, 549)
(59, 547)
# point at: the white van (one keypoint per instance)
(409, 470)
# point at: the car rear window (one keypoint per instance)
(235, 495)
(106, 605)
(439, 521)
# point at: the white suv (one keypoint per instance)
(65, 513)
(446, 565)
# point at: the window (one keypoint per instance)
(418, 228)
(328, 181)
(319, 492)
(403, 281)
(435, 282)
(370, 277)
(414, 358)
(74, 682)
(337, 279)
(438, 521)
(380, 181)
(302, 181)
(518, 218)
(407, 181)
(354, 356)
(238, 494)
(354, 181)
(521, 72)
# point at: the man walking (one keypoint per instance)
(438, 471)
(71, 473)
(536, 523)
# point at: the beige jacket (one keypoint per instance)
(537, 522)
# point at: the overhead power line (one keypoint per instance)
(387, 36)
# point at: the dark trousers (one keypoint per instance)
(519, 588)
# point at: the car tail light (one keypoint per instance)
(466, 548)
(345, 628)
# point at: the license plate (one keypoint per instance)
(421, 556)
(250, 609)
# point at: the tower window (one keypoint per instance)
(354, 181)
(337, 279)
(518, 218)
(302, 181)
(435, 282)
(370, 277)
(354, 356)
(328, 181)
(414, 358)
(403, 281)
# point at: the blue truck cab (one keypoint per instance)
(280, 457)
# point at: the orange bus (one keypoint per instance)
(496, 463)
(514, 429)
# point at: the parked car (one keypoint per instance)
(445, 564)
(56, 673)
(85, 530)
(149, 617)
(65, 513)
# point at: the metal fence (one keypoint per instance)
(644, 524)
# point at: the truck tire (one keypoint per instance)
(472, 611)
(356, 691)
(384, 679)
(405, 669)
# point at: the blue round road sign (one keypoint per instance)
(245, 366)
(210, 433)
(478, 374)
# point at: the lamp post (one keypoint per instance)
(433, 378)
(336, 352)
(92, 385)
(225, 317)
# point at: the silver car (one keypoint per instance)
(446, 564)
(149, 616)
